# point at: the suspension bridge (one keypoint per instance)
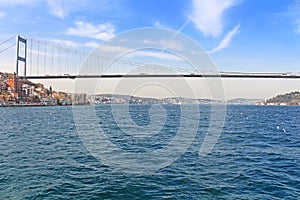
(42, 60)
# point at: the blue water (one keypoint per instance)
(256, 157)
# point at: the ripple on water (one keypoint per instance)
(42, 157)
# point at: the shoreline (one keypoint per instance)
(43, 105)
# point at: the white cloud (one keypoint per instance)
(2, 14)
(57, 9)
(158, 55)
(226, 40)
(208, 15)
(84, 29)
(168, 44)
(91, 44)
(113, 49)
(72, 44)
(67, 43)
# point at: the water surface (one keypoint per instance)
(256, 157)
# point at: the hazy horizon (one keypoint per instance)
(231, 88)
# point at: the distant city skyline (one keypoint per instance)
(238, 35)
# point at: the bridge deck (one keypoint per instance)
(279, 76)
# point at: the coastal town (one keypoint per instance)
(15, 91)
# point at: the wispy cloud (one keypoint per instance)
(72, 44)
(293, 14)
(91, 44)
(207, 15)
(67, 43)
(62, 8)
(158, 24)
(297, 11)
(17, 2)
(298, 26)
(84, 29)
(114, 50)
(56, 8)
(2, 14)
(153, 54)
(133, 53)
(226, 40)
(169, 44)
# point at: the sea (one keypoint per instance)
(150, 152)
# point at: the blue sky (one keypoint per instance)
(239, 35)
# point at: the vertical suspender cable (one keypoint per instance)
(99, 64)
(37, 59)
(31, 61)
(45, 59)
(72, 62)
(52, 61)
(59, 52)
(66, 59)
(75, 61)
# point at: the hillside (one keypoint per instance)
(243, 101)
(121, 99)
(292, 98)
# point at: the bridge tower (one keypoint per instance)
(19, 56)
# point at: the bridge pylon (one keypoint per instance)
(19, 57)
